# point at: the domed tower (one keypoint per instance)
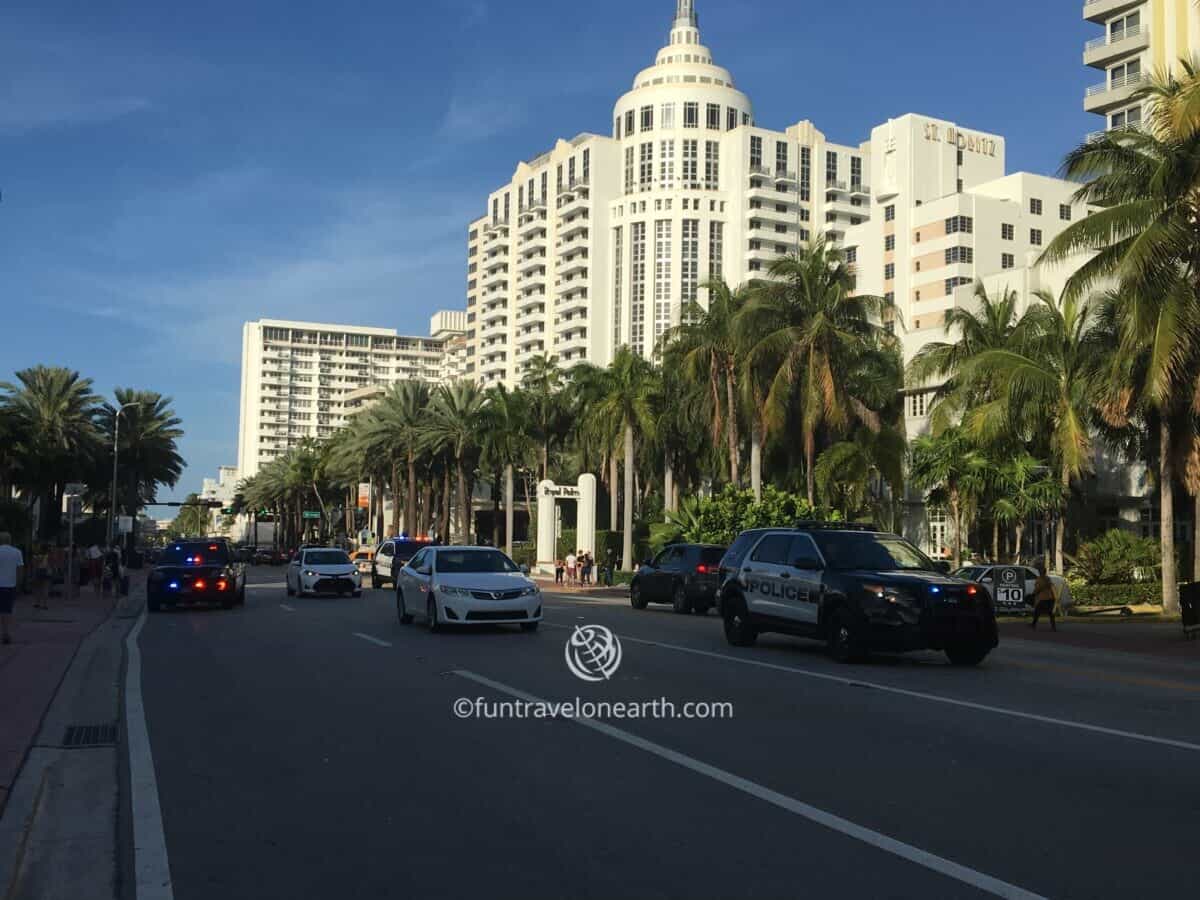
(670, 220)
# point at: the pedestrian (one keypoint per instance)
(95, 563)
(560, 568)
(1043, 598)
(587, 567)
(610, 563)
(12, 566)
(572, 560)
(41, 577)
(112, 569)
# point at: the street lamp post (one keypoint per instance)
(112, 505)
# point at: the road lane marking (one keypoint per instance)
(264, 584)
(919, 695)
(373, 640)
(288, 608)
(151, 866)
(883, 842)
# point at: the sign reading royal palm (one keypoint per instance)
(560, 491)
(583, 493)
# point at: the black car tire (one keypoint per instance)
(844, 644)
(241, 600)
(679, 600)
(431, 616)
(739, 631)
(701, 609)
(376, 581)
(290, 592)
(530, 626)
(967, 654)
(401, 610)
(636, 600)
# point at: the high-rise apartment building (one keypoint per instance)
(1140, 37)
(299, 377)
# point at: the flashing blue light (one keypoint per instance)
(174, 585)
(934, 589)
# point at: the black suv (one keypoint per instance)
(196, 571)
(854, 587)
(684, 575)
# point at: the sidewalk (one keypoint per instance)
(1164, 640)
(547, 583)
(33, 666)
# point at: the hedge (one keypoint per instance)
(1116, 594)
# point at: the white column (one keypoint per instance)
(545, 527)
(585, 517)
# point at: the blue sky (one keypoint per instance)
(171, 170)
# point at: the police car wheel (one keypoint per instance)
(843, 643)
(738, 630)
(966, 655)
(679, 600)
(636, 600)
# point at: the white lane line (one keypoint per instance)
(373, 640)
(151, 867)
(887, 844)
(263, 584)
(919, 695)
(288, 608)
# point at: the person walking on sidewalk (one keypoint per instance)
(571, 561)
(1043, 598)
(12, 565)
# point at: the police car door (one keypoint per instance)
(802, 593)
(767, 577)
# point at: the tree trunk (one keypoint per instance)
(995, 539)
(756, 460)
(496, 510)
(1061, 533)
(1166, 490)
(668, 487)
(731, 426)
(395, 498)
(1196, 539)
(810, 459)
(508, 509)
(614, 503)
(627, 521)
(1047, 527)
(410, 499)
(444, 527)
(546, 461)
(955, 514)
(464, 524)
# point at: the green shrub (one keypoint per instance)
(1113, 557)
(525, 556)
(1117, 594)
(722, 517)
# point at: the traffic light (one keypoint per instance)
(227, 511)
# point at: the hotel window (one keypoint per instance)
(1125, 26)
(889, 298)
(667, 116)
(746, 118)
(889, 213)
(851, 255)
(1130, 118)
(662, 276)
(712, 165)
(628, 123)
(646, 166)
(691, 115)
(1007, 232)
(889, 243)
(960, 157)
(781, 229)
(690, 264)
(713, 116)
(1007, 261)
(952, 283)
(637, 292)
(918, 405)
(831, 167)
(805, 215)
(1126, 74)
(571, 172)
(1064, 211)
(521, 197)
(780, 208)
(889, 272)
(1035, 236)
(959, 255)
(805, 173)
(856, 171)
(781, 157)
(616, 292)
(691, 174)
(963, 224)
(755, 265)
(545, 182)
(647, 118)
(628, 171)
(756, 151)
(959, 186)
(507, 207)
(666, 164)
(804, 234)
(716, 249)
(559, 181)
(587, 164)
(731, 119)
(1035, 206)
(495, 211)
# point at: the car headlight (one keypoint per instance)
(880, 595)
(310, 574)
(447, 591)
(529, 591)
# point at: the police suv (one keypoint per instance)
(854, 587)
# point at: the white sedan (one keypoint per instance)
(984, 575)
(323, 570)
(467, 586)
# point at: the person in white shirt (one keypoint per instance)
(11, 565)
(571, 561)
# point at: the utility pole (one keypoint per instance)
(112, 504)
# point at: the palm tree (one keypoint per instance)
(1023, 490)
(813, 329)
(395, 427)
(506, 445)
(1143, 184)
(1046, 389)
(52, 411)
(952, 472)
(454, 425)
(543, 384)
(627, 404)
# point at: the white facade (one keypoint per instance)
(296, 376)
(222, 488)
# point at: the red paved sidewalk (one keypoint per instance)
(1161, 639)
(32, 667)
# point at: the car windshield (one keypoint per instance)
(409, 549)
(195, 554)
(450, 562)
(864, 550)
(325, 557)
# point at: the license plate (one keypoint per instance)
(1010, 596)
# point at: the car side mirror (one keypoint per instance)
(524, 570)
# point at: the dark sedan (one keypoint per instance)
(196, 572)
(684, 575)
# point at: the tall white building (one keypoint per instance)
(605, 241)
(223, 489)
(298, 376)
(1139, 37)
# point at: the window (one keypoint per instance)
(1127, 118)
(712, 165)
(571, 172)
(545, 183)
(889, 213)
(851, 255)
(628, 123)
(953, 283)
(587, 164)
(1126, 74)
(918, 405)
(647, 118)
(1007, 232)
(756, 151)
(691, 175)
(781, 157)
(1064, 211)
(667, 116)
(628, 171)
(716, 241)
(637, 293)
(666, 164)
(1123, 27)
(805, 173)
(1035, 236)
(959, 255)
(662, 277)
(691, 115)
(713, 116)
(805, 215)
(646, 166)
(957, 224)
(1035, 206)
(616, 290)
(889, 272)
(690, 265)
(856, 172)
(731, 119)
(939, 532)
(617, 128)
(831, 167)
(1007, 261)
(773, 550)
(889, 243)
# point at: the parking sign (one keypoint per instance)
(1009, 584)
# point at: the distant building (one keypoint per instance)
(222, 489)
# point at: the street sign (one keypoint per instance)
(310, 514)
(74, 488)
(1009, 585)
(124, 524)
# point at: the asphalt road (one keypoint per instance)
(307, 748)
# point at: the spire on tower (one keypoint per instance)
(685, 13)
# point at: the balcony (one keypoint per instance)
(576, 302)
(1103, 50)
(861, 189)
(785, 175)
(569, 283)
(1108, 95)
(574, 225)
(532, 305)
(532, 261)
(1100, 10)
(574, 339)
(574, 264)
(533, 277)
(530, 225)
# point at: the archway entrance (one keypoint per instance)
(549, 493)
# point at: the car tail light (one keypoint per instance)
(222, 584)
(199, 584)
(702, 569)
(972, 590)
